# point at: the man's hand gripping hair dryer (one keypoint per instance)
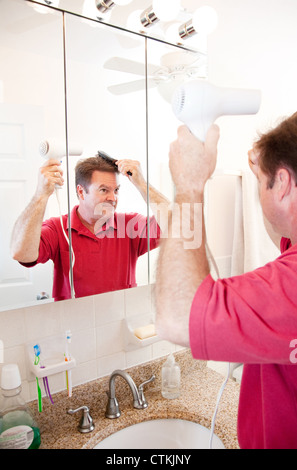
(198, 104)
(52, 148)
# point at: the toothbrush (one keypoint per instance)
(36, 362)
(46, 387)
(68, 358)
(37, 351)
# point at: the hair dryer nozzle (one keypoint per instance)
(57, 149)
(198, 104)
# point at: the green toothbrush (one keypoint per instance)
(36, 362)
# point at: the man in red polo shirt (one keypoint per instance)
(105, 244)
(250, 318)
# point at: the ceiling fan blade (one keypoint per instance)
(130, 87)
(129, 66)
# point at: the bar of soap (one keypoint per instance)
(144, 332)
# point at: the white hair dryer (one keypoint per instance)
(53, 148)
(56, 149)
(198, 104)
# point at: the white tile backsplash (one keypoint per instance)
(137, 301)
(78, 315)
(12, 327)
(109, 338)
(96, 323)
(43, 321)
(109, 307)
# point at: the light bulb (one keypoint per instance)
(205, 20)
(166, 10)
(172, 34)
(89, 9)
(122, 2)
(133, 21)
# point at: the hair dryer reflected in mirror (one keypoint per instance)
(198, 104)
(52, 148)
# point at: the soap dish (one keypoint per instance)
(131, 341)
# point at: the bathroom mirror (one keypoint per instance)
(95, 95)
(106, 103)
(33, 105)
(32, 109)
(175, 67)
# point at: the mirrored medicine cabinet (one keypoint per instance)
(79, 81)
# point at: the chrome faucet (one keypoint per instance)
(139, 401)
(86, 423)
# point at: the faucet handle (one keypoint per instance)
(140, 389)
(86, 423)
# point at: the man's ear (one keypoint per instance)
(80, 191)
(283, 182)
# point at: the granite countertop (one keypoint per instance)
(199, 389)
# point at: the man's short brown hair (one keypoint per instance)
(85, 168)
(278, 149)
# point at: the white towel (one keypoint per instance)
(252, 246)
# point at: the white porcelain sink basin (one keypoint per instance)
(161, 434)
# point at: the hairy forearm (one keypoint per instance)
(182, 266)
(26, 233)
(158, 203)
(154, 195)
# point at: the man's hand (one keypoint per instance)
(49, 175)
(192, 162)
(127, 166)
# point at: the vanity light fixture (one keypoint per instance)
(160, 10)
(204, 22)
(148, 18)
(105, 5)
(187, 30)
(186, 24)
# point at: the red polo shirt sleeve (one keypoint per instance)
(49, 241)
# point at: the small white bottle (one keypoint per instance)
(170, 378)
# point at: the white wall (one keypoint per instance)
(252, 47)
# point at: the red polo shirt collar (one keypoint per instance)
(81, 229)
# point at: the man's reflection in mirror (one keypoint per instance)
(105, 244)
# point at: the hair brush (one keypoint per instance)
(110, 160)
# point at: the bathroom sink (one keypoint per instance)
(161, 434)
